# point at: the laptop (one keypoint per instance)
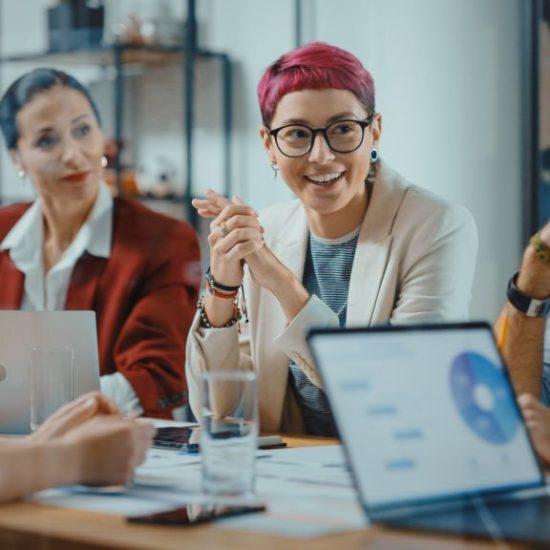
(432, 431)
(22, 330)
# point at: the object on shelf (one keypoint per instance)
(128, 31)
(155, 25)
(75, 25)
(157, 179)
(128, 184)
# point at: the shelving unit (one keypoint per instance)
(186, 55)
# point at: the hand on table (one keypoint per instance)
(105, 447)
(73, 414)
(108, 448)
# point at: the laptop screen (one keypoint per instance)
(424, 412)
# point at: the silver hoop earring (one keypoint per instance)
(104, 161)
(275, 170)
(373, 154)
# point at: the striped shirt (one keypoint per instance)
(327, 273)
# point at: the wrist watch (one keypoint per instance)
(532, 307)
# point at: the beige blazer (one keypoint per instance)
(414, 262)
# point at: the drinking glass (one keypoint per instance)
(51, 381)
(229, 421)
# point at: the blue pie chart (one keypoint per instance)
(483, 397)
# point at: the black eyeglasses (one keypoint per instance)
(342, 136)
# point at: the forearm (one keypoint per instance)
(27, 467)
(219, 311)
(522, 348)
(211, 350)
(290, 293)
(523, 341)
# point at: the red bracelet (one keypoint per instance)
(214, 291)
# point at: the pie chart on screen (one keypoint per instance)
(483, 398)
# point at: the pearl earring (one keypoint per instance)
(275, 169)
(21, 173)
(373, 154)
(104, 161)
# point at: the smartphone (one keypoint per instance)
(193, 514)
(187, 439)
(178, 438)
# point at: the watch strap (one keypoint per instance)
(532, 307)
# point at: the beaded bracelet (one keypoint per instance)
(205, 323)
(542, 250)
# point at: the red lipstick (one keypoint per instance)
(76, 177)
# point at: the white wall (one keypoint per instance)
(447, 74)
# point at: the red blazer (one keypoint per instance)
(144, 297)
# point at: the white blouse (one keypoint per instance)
(48, 292)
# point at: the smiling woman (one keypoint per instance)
(360, 246)
(76, 247)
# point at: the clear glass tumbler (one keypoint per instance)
(229, 421)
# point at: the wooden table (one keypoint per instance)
(26, 525)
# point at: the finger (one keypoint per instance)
(82, 410)
(206, 214)
(239, 235)
(529, 416)
(231, 210)
(218, 198)
(89, 398)
(241, 220)
(241, 250)
(206, 205)
(107, 405)
(528, 400)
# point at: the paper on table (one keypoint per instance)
(303, 517)
(328, 455)
(307, 491)
(322, 475)
(126, 504)
(161, 458)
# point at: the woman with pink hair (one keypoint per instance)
(360, 245)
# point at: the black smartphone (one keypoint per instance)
(185, 439)
(196, 513)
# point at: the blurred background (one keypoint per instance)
(463, 87)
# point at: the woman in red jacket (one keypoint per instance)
(75, 247)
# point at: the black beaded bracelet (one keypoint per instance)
(205, 323)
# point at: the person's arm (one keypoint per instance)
(236, 238)
(27, 466)
(522, 337)
(234, 234)
(150, 349)
(84, 442)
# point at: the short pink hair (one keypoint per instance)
(315, 66)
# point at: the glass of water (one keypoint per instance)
(229, 422)
(52, 381)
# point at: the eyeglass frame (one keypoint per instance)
(314, 131)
